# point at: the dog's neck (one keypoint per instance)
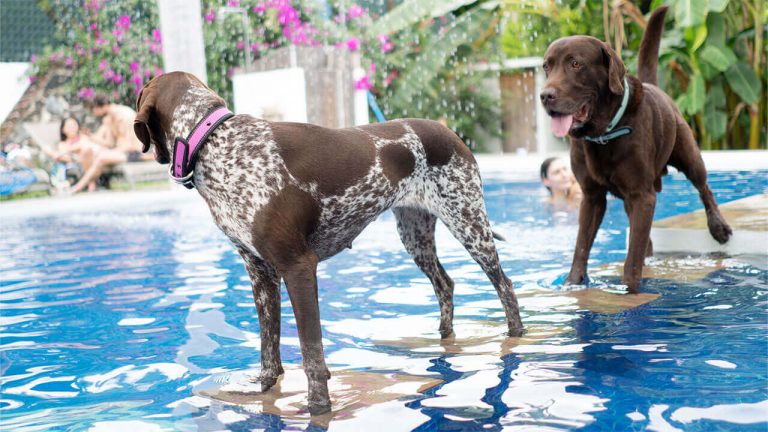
(195, 105)
(600, 121)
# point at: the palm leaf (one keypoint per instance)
(422, 69)
(412, 11)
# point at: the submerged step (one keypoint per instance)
(748, 217)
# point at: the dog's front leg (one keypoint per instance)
(641, 206)
(266, 295)
(590, 216)
(301, 281)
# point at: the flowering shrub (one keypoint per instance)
(229, 44)
(416, 65)
(110, 47)
(419, 69)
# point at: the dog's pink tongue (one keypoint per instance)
(561, 125)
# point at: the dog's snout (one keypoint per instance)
(548, 94)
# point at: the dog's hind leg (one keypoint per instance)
(687, 158)
(417, 231)
(266, 295)
(462, 210)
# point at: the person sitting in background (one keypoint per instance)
(116, 130)
(560, 182)
(74, 153)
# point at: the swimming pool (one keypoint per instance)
(116, 321)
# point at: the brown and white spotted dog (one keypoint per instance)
(289, 195)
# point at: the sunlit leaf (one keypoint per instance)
(721, 58)
(690, 13)
(695, 36)
(412, 11)
(717, 5)
(743, 80)
(696, 94)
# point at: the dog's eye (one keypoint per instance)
(545, 66)
(575, 64)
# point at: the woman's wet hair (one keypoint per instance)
(545, 169)
(61, 127)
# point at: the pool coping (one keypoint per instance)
(492, 166)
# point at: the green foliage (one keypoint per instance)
(530, 31)
(712, 71)
(243, 31)
(110, 47)
(708, 61)
(426, 66)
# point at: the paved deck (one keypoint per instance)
(748, 218)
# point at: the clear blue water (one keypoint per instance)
(111, 320)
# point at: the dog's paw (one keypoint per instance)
(575, 279)
(319, 407)
(267, 382)
(516, 331)
(720, 230)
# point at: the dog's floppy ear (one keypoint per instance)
(145, 106)
(616, 70)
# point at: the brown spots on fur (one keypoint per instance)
(397, 162)
(440, 143)
(281, 228)
(391, 130)
(311, 153)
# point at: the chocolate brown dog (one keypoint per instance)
(289, 195)
(624, 131)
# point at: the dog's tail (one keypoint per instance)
(648, 57)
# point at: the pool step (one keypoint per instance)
(688, 232)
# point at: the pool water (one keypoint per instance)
(113, 320)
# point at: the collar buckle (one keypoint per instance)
(186, 181)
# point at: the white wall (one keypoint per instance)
(276, 95)
(14, 83)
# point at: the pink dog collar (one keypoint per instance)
(185, 150)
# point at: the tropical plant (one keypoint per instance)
(109, 47)
(422, 60)
(238, 32)
(712, 59)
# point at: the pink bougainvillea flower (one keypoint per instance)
(86, 93)
(372, 69)
(210, 16)
(157, 36)
(93, 26)
(115, 49)
(123, 22)
(356, 11)
(103, 65)
(68, 62)
(117, 79)
(134, 66)
(233, 3)
(240, 45)
(259, 8)
(254, 48)
(386, 45)
(33, 58)
(32, 78)
(109, 74)
(353, 44)
(363, 83)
